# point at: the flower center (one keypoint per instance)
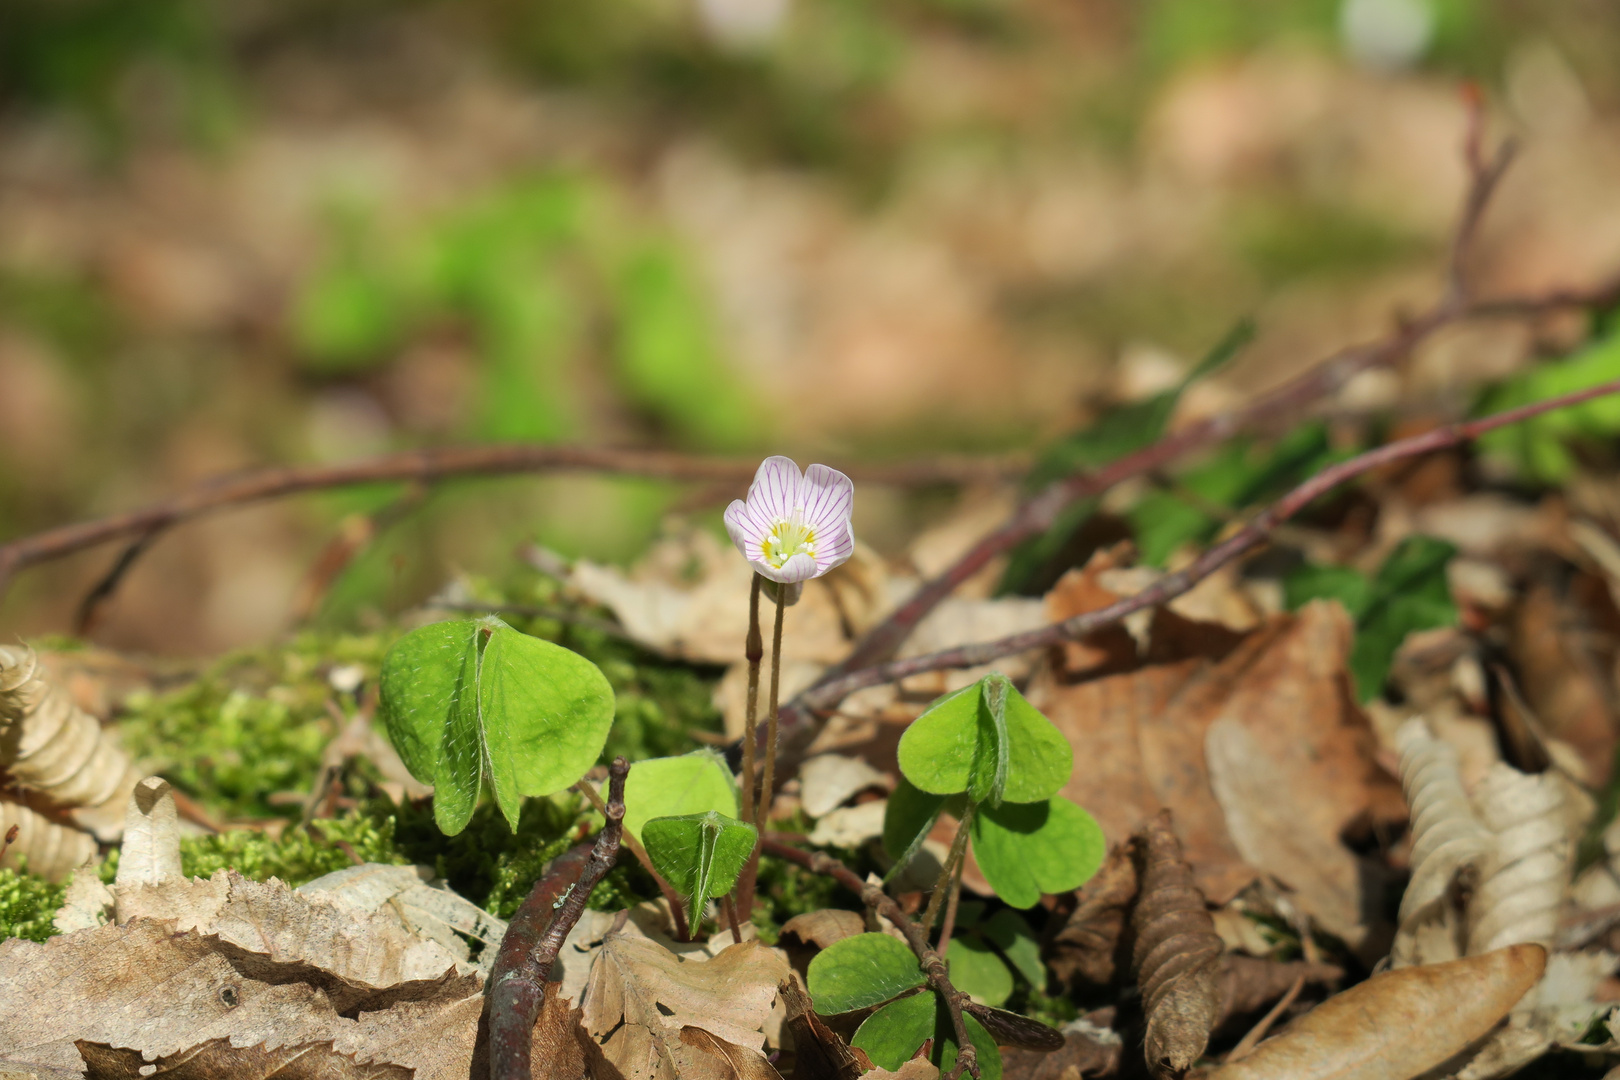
(786, 539)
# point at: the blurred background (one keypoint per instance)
(243, 233)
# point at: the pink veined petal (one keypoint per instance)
(775, 490)
(802, 567)
(833, 548)
(744, 530)
(829, 498)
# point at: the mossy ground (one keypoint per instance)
(244, 739)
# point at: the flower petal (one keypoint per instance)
(829, 498)
(775, 490)
(801, 567)
(834, 547)
(745, 532)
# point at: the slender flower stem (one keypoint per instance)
(753, 651)
(765, 792)
(945, 931)
(946, 872)
(730, 910)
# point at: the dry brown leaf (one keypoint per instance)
(1249, 983)
(915, 1069)
(51, 746)
(87, 903)
(736, 1062)
(640, 995)
(402, 893)
(818, 1052)
(217, 1058)
(1561, 680)
(1399, 1024)
(1082, 1055)
(827, 781)
(1086, 946)
(1177, 954)
(557, 1051)
(824, 927)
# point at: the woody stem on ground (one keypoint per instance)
(517, 983)
(957, 854)
(916, 936)
(677, 909)
(827, 695)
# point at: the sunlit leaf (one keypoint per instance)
(988, 741)
(862, 971)
(1026, 849)
(692, 783)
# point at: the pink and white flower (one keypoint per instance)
(794, 527)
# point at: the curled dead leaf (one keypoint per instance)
(1085, 946)
(735, 1062)
(1177, 954)
(1398, 1024)
(818, 1052)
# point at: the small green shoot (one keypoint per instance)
(699, 854)
(473, 702)
(694, 783)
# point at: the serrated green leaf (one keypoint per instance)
(1008, 931)
(1026, 849)
(699, 854)
(894, 1033)
(692, 783)
(862, 971)
(977, 971)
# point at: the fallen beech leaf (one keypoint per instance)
(1176, 956)
(1249, 983)
(403, 893)
(50, 745)
(557, 1051)
(151, 851)
(218, 1058)
(640, 995)
(819, 1054)
(87, 903)
(1562, 681)
(740, 1062)
(1399, 1024)
(827, 781)
(823, 928)
(1085, 947)
(1522, 890)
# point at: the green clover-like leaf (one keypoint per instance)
(1026, 849)
(692, 783)
(699, 854)
(893, 1034)
(988, 741)
(473, 700)
(977, 971)
(1008, 931)
(861, 971)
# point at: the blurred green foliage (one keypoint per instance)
(1408, 593)
(27, 903)
(1542, 447)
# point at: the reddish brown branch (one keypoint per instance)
(517, 983)
(875, 898)
(441, 463)
(828, 694)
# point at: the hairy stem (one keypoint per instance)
(753, 651)
(951, 905)
(767, 783)
(517, 984)
(957, 854)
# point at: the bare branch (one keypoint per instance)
(827, 695)
(875, 898)
(517, 984)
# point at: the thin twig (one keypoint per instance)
(1246, 1045)
(1483, 178)
(90, 608)
(827, 695)
(676, 907)
(958, 854)
(948, 927)
(875, 898)
(442, 463)
(517, 984)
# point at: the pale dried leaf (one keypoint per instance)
(850, 826)
(827, 781)
(1447, 839)
(51, 850)
(50, 745)
(640, 995)
(1398, 1024)
(435, 914)
(824, 927)
(151, 851)
(218, 1058)
(88, 902)
(1524, 882)
(726, 1061)
(436, 1037)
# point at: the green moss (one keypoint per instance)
(27, 903)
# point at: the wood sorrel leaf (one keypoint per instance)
(692, 783)
(700, 854)
(977, 971)
(474, 700)
(892, 1035)
(1008, 931)
(1026, 849)
(988, 741)
(906, 821)
(861, 971)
